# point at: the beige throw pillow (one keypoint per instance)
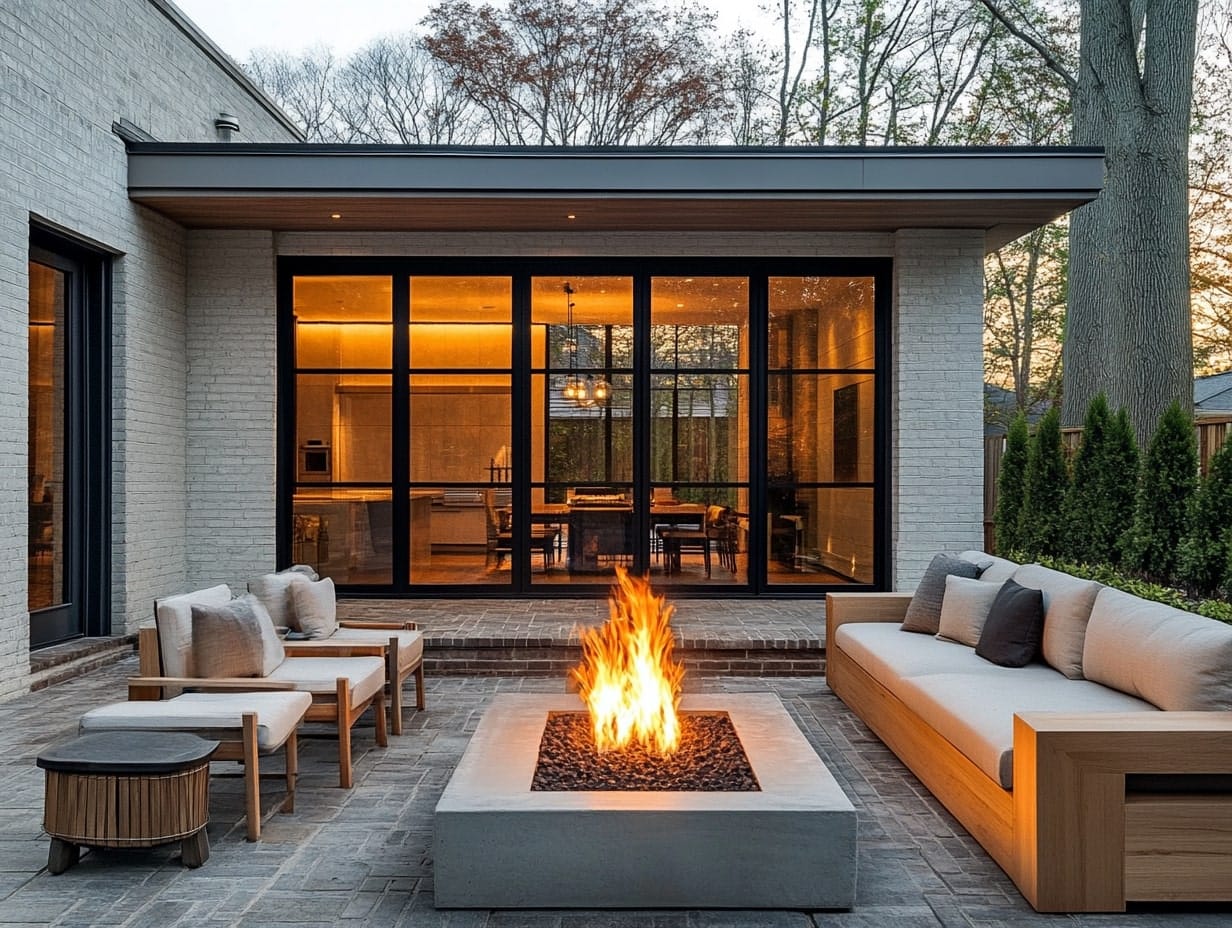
(235, 639)
(274, 591)
(315, 607)
(965, 608)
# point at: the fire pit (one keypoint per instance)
(787, 842)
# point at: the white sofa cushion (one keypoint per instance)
(316, 608)
(320, 674)
(998, 570)
(1172, 658)
(965, 609)
(885, 651)
(410, 643)
(278, 714)
(274, 591)
(974, 711)
(173, 616)
(1067, 609)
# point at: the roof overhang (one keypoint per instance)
(1006, 192)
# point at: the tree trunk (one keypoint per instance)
(1128, 329)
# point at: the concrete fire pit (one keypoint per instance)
(791, 845)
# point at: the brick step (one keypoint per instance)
(49, 666)
(555, 657)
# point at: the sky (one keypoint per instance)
(240, 26)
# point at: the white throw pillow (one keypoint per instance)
(274, 591)
(965, 608)
(315, 607)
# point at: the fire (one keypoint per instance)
(627, 677)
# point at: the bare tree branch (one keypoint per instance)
(1050, 57)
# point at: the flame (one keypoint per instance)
(627, 677)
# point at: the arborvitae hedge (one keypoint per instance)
(1168, 480)
(1010, 486)
(1040, 524)
(1120, 478)
(1203, 559)
(1084, 530)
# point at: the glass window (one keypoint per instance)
(48, 307)
(343, 322)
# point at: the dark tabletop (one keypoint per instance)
(128, 752)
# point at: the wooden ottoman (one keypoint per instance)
(127, 789)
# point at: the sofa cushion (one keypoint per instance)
(410, 643)
(885, 651)
(234, 639)
(274, 591)
(173, 616)
(998, 569)
(1015, 624)
(366, 675)
(924, 610)
(1067, 609)
(965, 609)
(1169, 657)
(974, 711)
(277, 713)
(315, 607)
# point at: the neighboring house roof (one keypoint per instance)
(1213, 393)
(1000, 407)
(1004, 191)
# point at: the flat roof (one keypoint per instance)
(1004, 191)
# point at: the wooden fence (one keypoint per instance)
(1211, 431)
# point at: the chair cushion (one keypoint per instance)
(173, 616)
(1174, 659)
(410, 643)
(274, 591)
(235, 639)
(320, 675)
(278, 714)
(316, 608)
(1011, 635)
(965, 609)
(924, 610)
(1067, 609)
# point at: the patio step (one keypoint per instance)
(49, 666)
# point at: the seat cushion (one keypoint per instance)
(1172, 658)
(320, 675)
(885, 651)
(1067, 609)
(410, 643)
(277, 714)
(974, 711)
(173, 616)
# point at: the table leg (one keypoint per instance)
(62, 855)
(195, 849)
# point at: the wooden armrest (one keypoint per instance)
(333, 649)
(239, 684)
(1126, 742)
(864, 607)
(389, 625)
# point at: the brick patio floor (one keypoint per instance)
(363, 856)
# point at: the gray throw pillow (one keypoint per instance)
(234, 639)
(924, 610)
(315, 607)
(1014, 628)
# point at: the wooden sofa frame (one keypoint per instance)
(333, 708)
(1070, 835)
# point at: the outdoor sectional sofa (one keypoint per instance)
(1110, 785)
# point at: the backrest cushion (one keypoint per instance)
(1171, 658)
(1011, 635)
(274, 591)
(965, 609)
(316, 607)
(1067, 609)
(234, 639)
(924, 611)
(173, 617)
(993, 569)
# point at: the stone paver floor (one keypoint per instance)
(363, 857)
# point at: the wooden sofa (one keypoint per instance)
(1074, 833)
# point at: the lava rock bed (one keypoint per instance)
(710, 759)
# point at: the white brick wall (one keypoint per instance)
(937, 498)
(68, 70)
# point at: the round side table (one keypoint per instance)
(127, 789)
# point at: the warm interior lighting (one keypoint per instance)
(628, 678)
(571, 216)
(335, 215)
(589, 392)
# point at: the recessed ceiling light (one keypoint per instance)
(335, 215)
(571, 216)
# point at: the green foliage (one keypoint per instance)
(1203, 557)
(1144, 589)
(1010, 485)
(1120, 476)
(1084, 534)
(1040, 523)
(1168, 480)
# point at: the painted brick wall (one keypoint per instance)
(67, 72)
(937, 419)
